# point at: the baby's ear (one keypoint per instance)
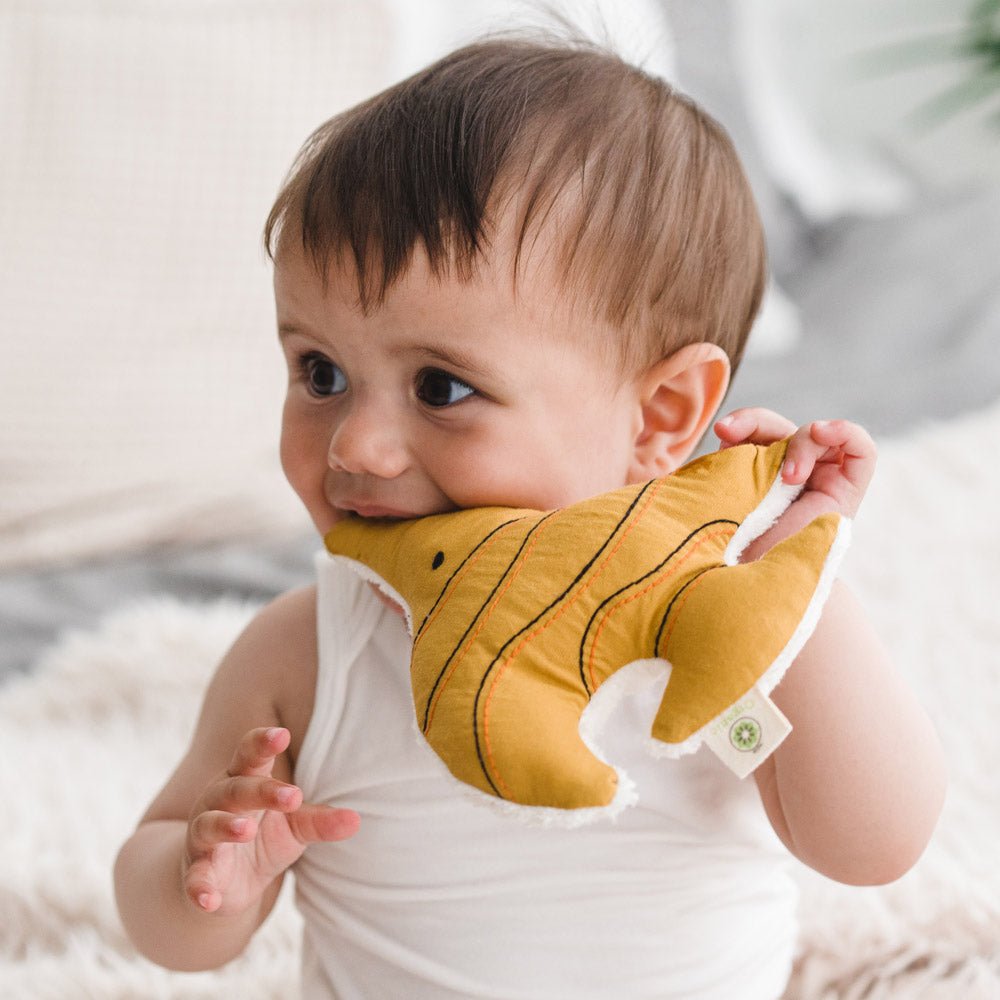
(678, 398)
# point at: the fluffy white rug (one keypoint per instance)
(93, 732)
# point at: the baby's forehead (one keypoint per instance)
(513, 260)
(481, 316)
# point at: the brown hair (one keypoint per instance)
(656, 230)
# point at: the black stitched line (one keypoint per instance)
(456, 571)
(670, 607)
(475, 617)
(635, 582)
(533, 622)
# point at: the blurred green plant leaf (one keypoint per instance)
(976, 44)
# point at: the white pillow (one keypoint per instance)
(140, 379)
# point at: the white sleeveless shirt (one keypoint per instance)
(686, 895)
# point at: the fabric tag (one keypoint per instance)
(744, 736)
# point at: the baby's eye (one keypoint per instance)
(437, 388)
(322, 376)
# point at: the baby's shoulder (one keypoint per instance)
(282, 625)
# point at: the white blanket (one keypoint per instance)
(94, 731)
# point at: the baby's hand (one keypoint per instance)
(833, 459)
(247, 828)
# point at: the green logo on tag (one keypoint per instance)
(744, 734)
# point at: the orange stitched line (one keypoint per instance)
(472, 562)
(482, 624)
(542, 627)
(677, 613)
(655, 582)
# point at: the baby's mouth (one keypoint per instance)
(376, 512)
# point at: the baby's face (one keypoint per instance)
(453, 394)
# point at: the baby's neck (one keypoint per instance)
(387, 600)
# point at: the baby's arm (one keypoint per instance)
(204, 867)
(856, 788)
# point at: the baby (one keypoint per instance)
(522, 277)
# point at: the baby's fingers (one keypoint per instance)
(209, 829)
(858, 452)
(257, 750)
(199, 886)
(250, 794)
(834, 458)
(312, 824)
(753, 425)
(839, 443)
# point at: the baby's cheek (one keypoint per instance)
(305, 469)
(292, 461)
(511, 469)
(530, 489)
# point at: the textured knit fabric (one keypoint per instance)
(438, 896)
(140, 376)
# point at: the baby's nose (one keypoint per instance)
(367, 441)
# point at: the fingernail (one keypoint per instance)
(204, 900)
(239, 826)
(726, 421)
(272, 734)
(789, 470)
(285, 795)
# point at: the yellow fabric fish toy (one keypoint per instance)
(519, 616)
